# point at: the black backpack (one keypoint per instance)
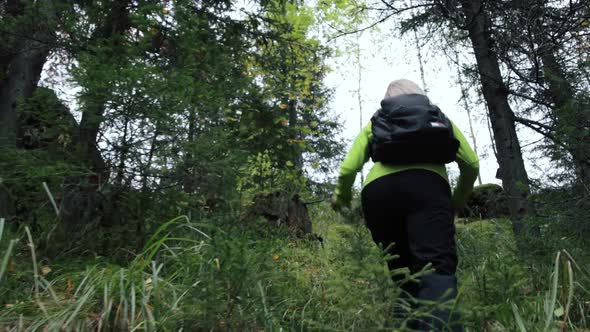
(408, 129)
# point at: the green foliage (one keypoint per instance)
(287, 111)
(504, 292)
(176, 102)
(263, 175)
(490, 271)
(344, 15)
(218, 274)
(179, 104)
(194, 275)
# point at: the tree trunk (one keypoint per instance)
(115, 24)
(512, 171)
(83, 201)
(21, 69)
(24, 71)
(123, 150)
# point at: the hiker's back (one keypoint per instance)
(408, 129)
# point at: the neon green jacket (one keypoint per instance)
(359, 155)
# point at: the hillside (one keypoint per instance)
(221, 275)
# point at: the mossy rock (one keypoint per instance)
(280, 209)
(486, 201)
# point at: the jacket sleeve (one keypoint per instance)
(468, 167)
(352, 164)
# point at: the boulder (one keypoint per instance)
(486, 201)
(280, 209)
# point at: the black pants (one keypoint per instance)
(413, 210)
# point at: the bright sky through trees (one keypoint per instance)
(385, 56)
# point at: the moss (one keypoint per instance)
(486, 201)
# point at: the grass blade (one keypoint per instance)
(570, 294)
(518, 319)
(82, 301)
(47, 286)
(149, 315)
(34, 259)
(6, 258)
(553, 295)
(1, 227)
(132, 318)
(55, 208)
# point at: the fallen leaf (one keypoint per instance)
(45, 269)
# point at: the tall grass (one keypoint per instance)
(194, 276)
(222, 275)
(503, 292)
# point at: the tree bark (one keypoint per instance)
(23, 73)
(83, 201)
(512, 171)
(21, 69)
(115, 24)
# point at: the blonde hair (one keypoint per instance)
(403, 87)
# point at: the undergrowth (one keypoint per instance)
(217, 274)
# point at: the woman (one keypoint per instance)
(411, 206)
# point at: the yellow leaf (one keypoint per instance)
(276, 257)
(45, 269)
(289, 163)
(165, 11)
(283, 106)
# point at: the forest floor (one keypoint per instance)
(216, 275)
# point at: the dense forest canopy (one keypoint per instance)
(173, 96)
(150, 110)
